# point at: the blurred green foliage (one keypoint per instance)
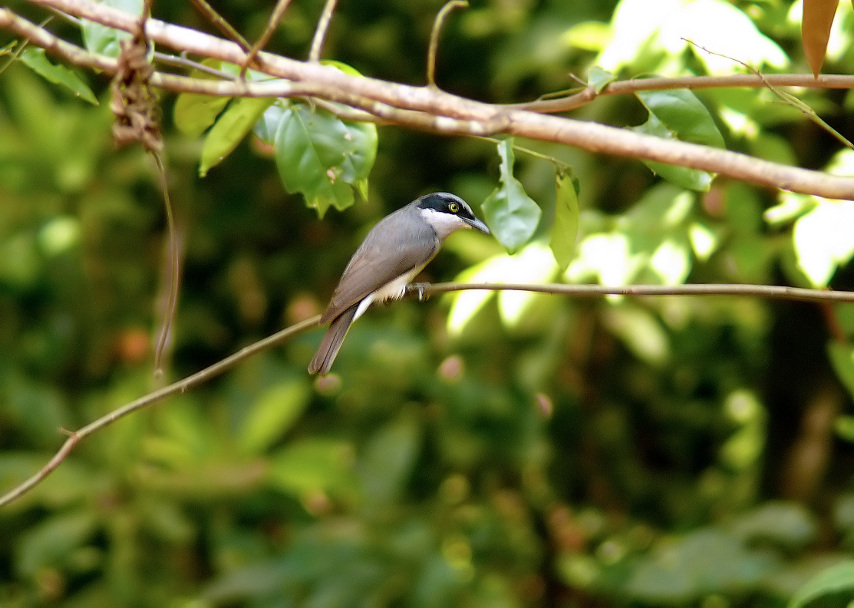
(475, 450)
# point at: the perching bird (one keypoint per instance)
(392, 254)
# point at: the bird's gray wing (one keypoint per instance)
(392, 248)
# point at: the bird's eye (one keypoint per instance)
(454, 207)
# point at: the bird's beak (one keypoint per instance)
(476, 223)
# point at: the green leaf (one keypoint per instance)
(842, 359)
(273, 414)
(312, 465)
(565, 229)
(322, 156)
(678, 114)
(194, 113)
(511, 214)
(599, 78)
(47, 544)
(230, 129)
(35, 59)
(388, 458)
(107, 40)
(684, 115)
(830, 588)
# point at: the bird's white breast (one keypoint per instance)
(392, 290)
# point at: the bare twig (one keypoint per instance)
(768, 292)
(322, 29)
(221, 24)
(434, 37)
(189, 64)
(424, 108)
(75, 437)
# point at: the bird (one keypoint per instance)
(395, 250)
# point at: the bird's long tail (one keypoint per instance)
(331, 342)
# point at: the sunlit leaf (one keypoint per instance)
(640, 331)
(322, 156)
(107, 40)
(510, 213)
(533, 264)
(273, 414)
(671, 260)
(565, 229)
(230, 129)
(815, 30)
(704, 240)
(820, 246)
(194, 113)
(831, 588)
(35, 59)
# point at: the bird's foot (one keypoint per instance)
(419, 289)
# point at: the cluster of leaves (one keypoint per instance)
(487, 449)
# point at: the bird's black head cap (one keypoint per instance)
(444, 202)
(456, 209)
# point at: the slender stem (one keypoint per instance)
(189, 64)
(438, 22)
(322, 29)
(772, 292)
(221, 24)
(174, 272)
(272, 25)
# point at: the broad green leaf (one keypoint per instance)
(194, 113)
(35, 59)
(599, 78)
(565, 229)
(388, 458)
(46, 544)
(820, 246)
(312, 465)
(273, 414)
(322, 156)
(230, 129)
(830, 588)
(510, 213)
(678, 114)
(683, 115)
(107, 40)
(692, 179)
